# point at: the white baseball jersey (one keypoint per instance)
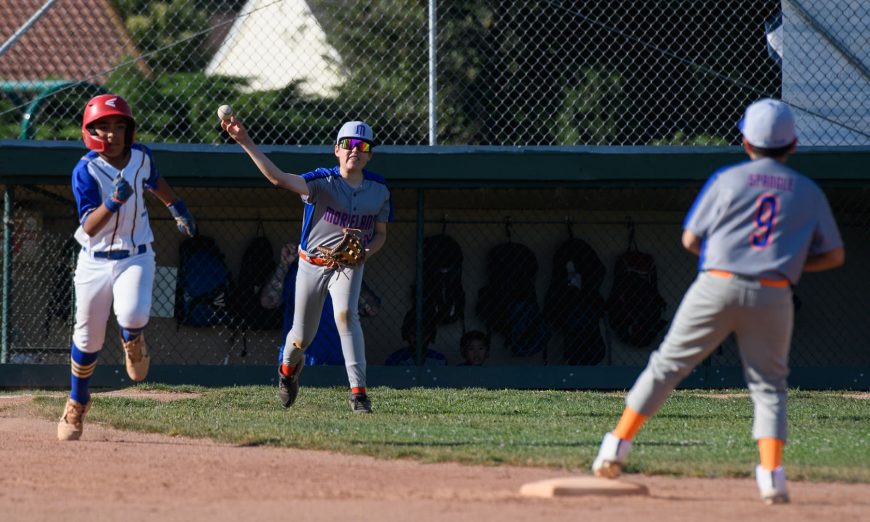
(92, 183)
(100, 280)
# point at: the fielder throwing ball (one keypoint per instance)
(116, 263)
(341, 203)
(756, 227)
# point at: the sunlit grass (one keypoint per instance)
(695, 434)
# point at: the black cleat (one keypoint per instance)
(288, 387)
(360, 403)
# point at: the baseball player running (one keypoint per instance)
(336, 199)
(116, 262)
(756, 226)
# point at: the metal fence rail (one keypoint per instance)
(520, 72)
(568, 318)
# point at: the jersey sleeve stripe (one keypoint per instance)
(307, 224)
(712, 179)
(374, 177)
(319, 174)
(377, 178)
(85, 188)
(151, 180)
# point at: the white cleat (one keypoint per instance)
(772, 485)
(611, 457)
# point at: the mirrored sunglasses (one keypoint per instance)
(358, 144)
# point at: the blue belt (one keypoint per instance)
(119, 254)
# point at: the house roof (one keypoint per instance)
(274, 44)
(73, 40)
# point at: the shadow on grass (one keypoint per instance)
(489, 443)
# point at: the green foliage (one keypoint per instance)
(10, 119)
(588, 107)
(531, 74)
(158, 27)
(695, 434)
(382, 45)
(680, 138)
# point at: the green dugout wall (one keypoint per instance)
(481, 196)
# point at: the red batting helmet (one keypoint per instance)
(100, 107)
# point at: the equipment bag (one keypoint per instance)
(258, 265)
(635, 307)
(574, 304)
(60, 306)
(204, 284)
(508, 303)
(443, 295)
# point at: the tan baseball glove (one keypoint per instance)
(348, 253)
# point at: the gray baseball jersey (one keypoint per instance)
(761, 219)
(333, 205)
(758, 219)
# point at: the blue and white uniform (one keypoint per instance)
(332, 205)
(758, 222)
(117, 263)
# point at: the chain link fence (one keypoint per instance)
(536, 274)
(520, 72)
(534, 271)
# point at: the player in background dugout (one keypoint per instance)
(474, 348)
(407, 354)
(756, 227)
(116, 263)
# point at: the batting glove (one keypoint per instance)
(183, 220)
(120, 194)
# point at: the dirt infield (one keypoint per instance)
(116, 475)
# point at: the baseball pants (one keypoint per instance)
(99, 282)
(312, 284)
(762, 319)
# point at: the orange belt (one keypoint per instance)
(313, 260)
(776, 283)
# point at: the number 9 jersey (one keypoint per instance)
(761, 219)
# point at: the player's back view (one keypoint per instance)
(756, 227)
(759, 219)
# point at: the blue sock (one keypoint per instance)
(130, 334)
(83, 365)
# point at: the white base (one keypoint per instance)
(579, 486)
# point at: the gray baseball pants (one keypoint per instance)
(761, 317)
(312, 284)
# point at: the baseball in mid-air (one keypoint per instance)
(224, 112)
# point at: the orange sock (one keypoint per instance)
(358, 390)
(287, 371)
(629, 424)
(770, 451)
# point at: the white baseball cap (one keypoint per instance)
(768, 124)
(356, 129)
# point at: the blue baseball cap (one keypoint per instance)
(356, 129)
(768, 124)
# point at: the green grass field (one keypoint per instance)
(696, 434)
